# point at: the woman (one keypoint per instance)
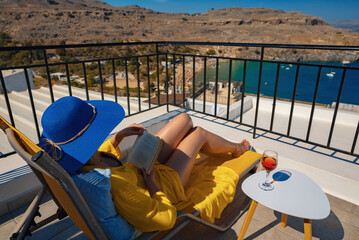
(147, 201)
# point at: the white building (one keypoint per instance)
(163, 63)
(80, 80)
(220, 84)
(58, 75)
(15, 80)
(234, 110)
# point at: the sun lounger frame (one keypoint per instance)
(54, 177)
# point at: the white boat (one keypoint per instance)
(345, 62)
(330, 75)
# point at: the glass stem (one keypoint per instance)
(267, 183)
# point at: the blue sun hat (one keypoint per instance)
(74, 129)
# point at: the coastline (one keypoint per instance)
(327, 91)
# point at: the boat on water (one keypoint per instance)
(331, 74)
(345, 62)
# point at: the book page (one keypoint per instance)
(144, 150)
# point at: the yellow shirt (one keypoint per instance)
(210, 189)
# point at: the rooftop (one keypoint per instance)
(7, 73)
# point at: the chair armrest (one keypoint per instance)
(3, 125)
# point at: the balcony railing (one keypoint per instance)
(195, 90)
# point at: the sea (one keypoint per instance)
(329, 83)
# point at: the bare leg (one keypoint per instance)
(173, 133)
(183, 158)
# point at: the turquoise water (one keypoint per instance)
(328, 86)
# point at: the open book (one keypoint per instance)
(145, 151)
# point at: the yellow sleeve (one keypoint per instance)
(108, 148)
(135, 204)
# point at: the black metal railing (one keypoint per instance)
(197, 87)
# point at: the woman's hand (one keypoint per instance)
(149, 181)
(133, 129)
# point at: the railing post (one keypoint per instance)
(167, 83)
(184, 81)
(355, 139)
(68, 78)
(275, 97)
(138, 84)
(114, 79)
(243, 89)
(229, 87)
(101, 82)
(194, 83)
(204, 84)
(148, 82)
(174, 78)
(48, 74)
(32, 103)
(293, 100)
(158, 75)
(127, 89)
(85, 80)
(216, 88)
(258, 93)
(313, 103)
(336, 107)
(6, 99)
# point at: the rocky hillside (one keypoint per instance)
(85, 21)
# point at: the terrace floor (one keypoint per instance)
(336, 174)
(342, 223)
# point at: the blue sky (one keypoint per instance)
(329, 10)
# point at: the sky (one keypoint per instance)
(329, 10)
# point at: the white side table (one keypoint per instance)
(294, 194)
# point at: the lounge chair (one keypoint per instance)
(58, 183)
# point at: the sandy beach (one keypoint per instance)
(120, 83)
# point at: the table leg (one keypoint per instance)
(307, 229)
(284, 220)
(248, 219)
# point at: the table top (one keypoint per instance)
(294, 194)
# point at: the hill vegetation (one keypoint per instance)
(80, 21)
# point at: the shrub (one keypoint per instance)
(211, 52)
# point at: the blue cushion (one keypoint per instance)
(95, 188)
